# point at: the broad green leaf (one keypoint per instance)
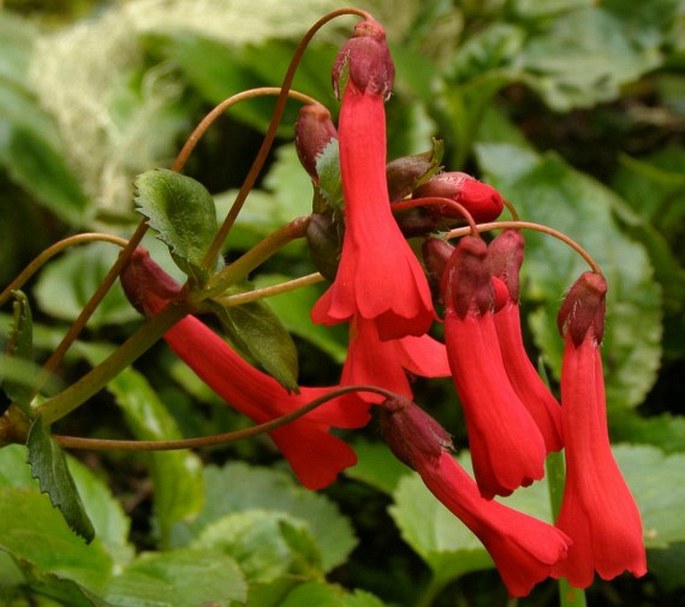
(377, 466)
(255, 539)
(327, 595)
(37, 537)
(665, 431)
(18, 36)
(257, 331)
(20, 348)
(239, 488)
(109, 520)
(548, 191)
(178, 578)
(66, 284)
(49, 466)
(182, 211)
(177, 475)
(293, 309)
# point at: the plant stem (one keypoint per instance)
(92, 382)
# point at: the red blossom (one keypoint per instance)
(525, 550)
(379, 277)
(507, 447)
(505, 256)
(386, 363)
(598, 511)
(314, 454)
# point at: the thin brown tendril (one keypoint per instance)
(512, 209)
(75, 442)
(437, 200)
(218, 110)
(537, 227)
(284, 287)
(54, 249)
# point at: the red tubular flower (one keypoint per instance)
(315, 456)
(524, 549)
(385, 363)
(506, 445)
(598, 511)
(378, 277)
(505, 256)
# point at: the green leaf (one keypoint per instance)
(49, 466)
(261, 488)
(176, 475)
(66, 284)
(327, 595)
(546, 190)
(257, 331)
(178, 578)
(20, 347)
(328, 171)
(293, 309)
(256, 539)
(111, 524)
(182, 211)
(377, 466)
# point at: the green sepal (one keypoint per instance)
(182, 212)
(258, 333)
(20, 348)
(49, 467)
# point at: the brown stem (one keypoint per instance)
(437, 200)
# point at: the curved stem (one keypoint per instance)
(241, 267)
(284, 287)
(438, 200)
(270, 135)
(91, 383)
(209, 119)
(512, 209)
(74, 442)
(44, 256)
(537, 227)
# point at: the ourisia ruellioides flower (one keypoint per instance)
(598, 511)
(379, 277)
(505, 256)
(507, 448)
(315, 456)
(524, 549)
(386, 363)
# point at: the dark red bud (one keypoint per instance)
(324, 239)
(411, 433)
(505, 258)
(365, 62)
(500, 293)
(404, 173)
(482, 201)
(466, 284)
(314, 130)
(147, 286)
(584, 308)
(416, 222)
(436, 252)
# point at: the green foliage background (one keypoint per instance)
(573, 109)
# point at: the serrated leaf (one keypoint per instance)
(177, 475)
(179, 578)
(328, 171)
(66, 284)
(255, 539)
(182, 212)
(377, 466)
(18, 386)
(257, 331)
(328, 595)
(271, 490)
(49, 466)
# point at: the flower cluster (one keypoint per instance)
(386, 296)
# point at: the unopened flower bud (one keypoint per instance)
(146, 285)
(482, 201)
(436, 252)
(404, 173)
(314, 130)
(584, 308)
(365, 62)
(466, 283)
(505, 258)
(324, 239)
(412, 435)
